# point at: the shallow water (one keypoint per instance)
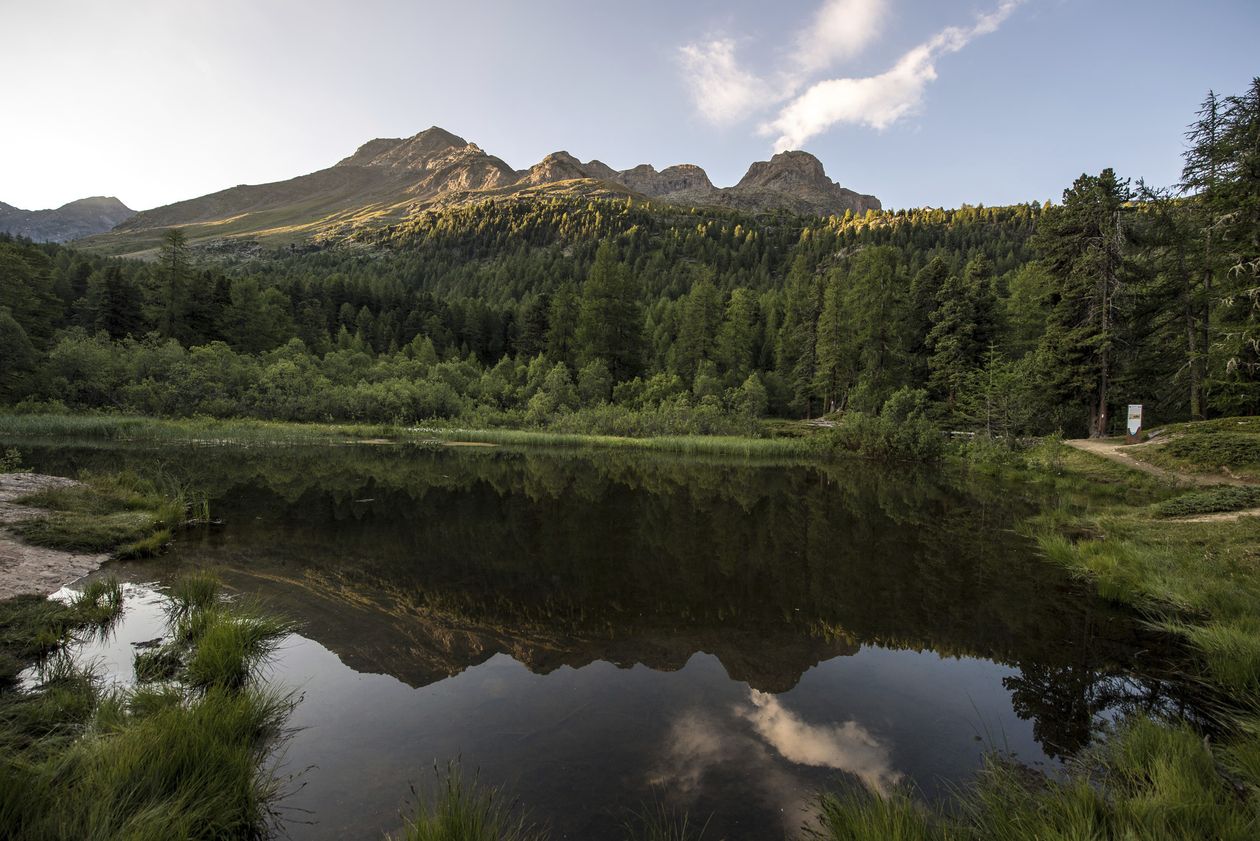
(595, 632)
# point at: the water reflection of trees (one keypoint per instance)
(560, 557)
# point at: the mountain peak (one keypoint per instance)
(79, 218)
(796, 180)
(792, 168)
(99, 204)
(405, 152)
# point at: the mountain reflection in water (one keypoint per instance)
(598, 629)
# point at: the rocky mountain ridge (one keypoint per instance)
(81, 218)
(794, 181)
(387, 180)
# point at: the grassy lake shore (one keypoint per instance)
(1140, 539)
(1136, 539)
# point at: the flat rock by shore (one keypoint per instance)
(34, 569)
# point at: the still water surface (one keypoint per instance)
(597, 631)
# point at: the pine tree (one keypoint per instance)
(610, 317)
(1235, 378)
(794, 353)
(698, 327)
(738, 337)
(1081, 244)
(833, 374)
(962, 328)
(173, 260)
(562, 320)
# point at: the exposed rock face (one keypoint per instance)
(388, 179)
(560, 166)
(796, 181)
(683, 179)
(80, 218)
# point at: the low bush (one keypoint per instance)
(1210, 501)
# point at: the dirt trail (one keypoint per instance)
(34, 569)
(1116, 450)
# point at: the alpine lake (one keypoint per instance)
(594, 631)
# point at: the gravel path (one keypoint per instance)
(34, 569)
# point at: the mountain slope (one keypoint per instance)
(388, 180)
(70, 221)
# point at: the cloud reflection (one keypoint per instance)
(846, 747)
(762, 744)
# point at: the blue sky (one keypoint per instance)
(919, 102)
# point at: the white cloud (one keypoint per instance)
(722, 91)
(876, 101)
(841, 29)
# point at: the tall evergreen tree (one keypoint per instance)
(1235, 381)
(1081, 244)
(794, 352)
(738, 337)
(610, 317)
(173, 262)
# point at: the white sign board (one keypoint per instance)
(1135, 418)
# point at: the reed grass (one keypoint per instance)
(180, 760)
(1150, 780)
(657, 821)
(246, 432)
(463, 810)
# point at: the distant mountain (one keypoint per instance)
(80, 218)
(389, 179)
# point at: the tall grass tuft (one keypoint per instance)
(193, 592)
(658, 822)
(232, 646)
(860, 816)
(181, 759)
(462, 810)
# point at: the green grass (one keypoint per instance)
(32, 627)
(1107, 524)
(200, 430)
(169, 761)
(198, 591)
(463, 810)
(658, 822)
(120, 514)
(857, 815)
(1225, 444)
(727, 445)
(1149, 781)
(246, 432)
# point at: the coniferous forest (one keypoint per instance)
(633, 318)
